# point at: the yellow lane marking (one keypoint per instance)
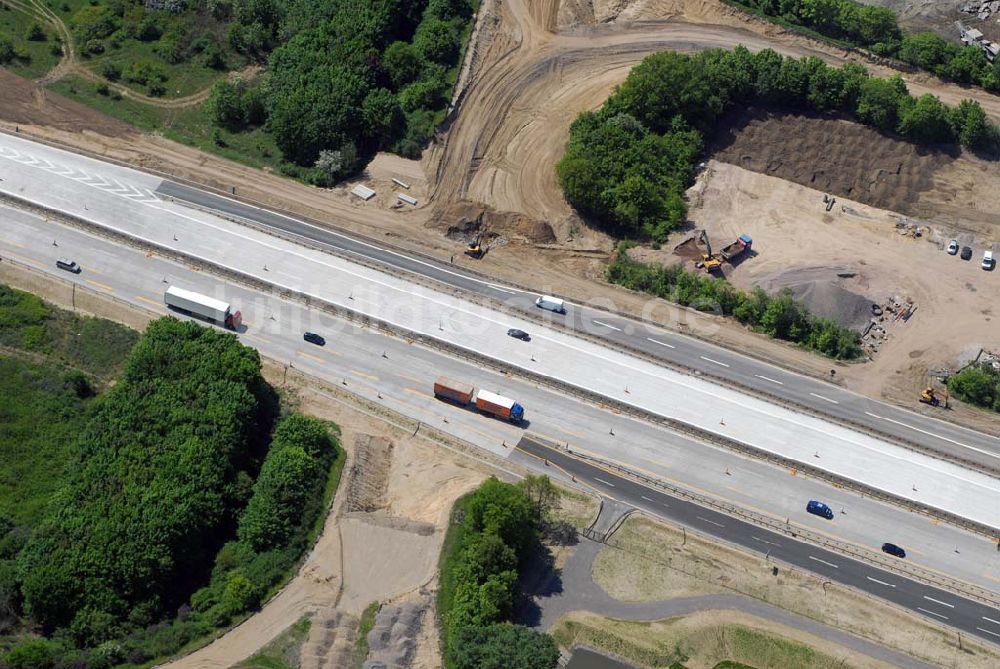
(101, 285)
(15, 256)
(310, 356)
(149, 301)
(247, 335)
(363, 375)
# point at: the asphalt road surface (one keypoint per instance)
(826, 399)
(938, 605)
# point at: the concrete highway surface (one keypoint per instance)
(816, 396)
(969, 616)
(125, 200)
(397, 374)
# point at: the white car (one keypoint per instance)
(953, 247)
(988, 260)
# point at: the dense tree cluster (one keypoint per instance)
(361, 77)
(626, 165)
(778, 316)
(497, 535)
(160, 475)
(876, 28)
(168, 467)
(977, 384)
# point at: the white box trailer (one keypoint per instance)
(203, 306)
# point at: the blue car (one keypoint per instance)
(819, 509)
(893, 549)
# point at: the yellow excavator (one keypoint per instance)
(475, 249)
(708, 259)
(928, 396)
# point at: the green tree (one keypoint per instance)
(32, 654)
(35, 33)
(663, 86)
(436, 41)
(6, 50)
(402, 63)
(974, 385)
(503, 647)
(925, 120)
(970, 124)
(927, 51)
(879, 101)
(383, 116)
(225, 106)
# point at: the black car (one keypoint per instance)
(518, 334)
(68, 265)
(314, 338)
(893, 549)
(966, 252)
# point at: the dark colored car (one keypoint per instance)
(819, 509)
(966, 252)
(314, 338)
(893, 549)
(518, 334)
(68, 265)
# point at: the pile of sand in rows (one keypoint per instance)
(833, 155)
(392, 640)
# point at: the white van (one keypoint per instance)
(551, 303)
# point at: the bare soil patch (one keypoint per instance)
(835, 156)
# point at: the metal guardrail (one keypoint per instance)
(481, 360)
(529, 315)
(906, 569)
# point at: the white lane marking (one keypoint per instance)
(995, 622)
(646, 498)
(932, 613)
(713, 361)
(767, 378)
(938, 601)
(875, 580)
(661, 343)
(931, 434)
(765, 541)
(607, 483)
(829, 564)
(825, 398)
(612, 327)
(501, 289)
(988, 632)
(710, 521)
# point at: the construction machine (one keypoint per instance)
(708, 259)
(928, 396)
(475, 249)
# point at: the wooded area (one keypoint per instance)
(494, 534)
(178, 499)
(628, 164)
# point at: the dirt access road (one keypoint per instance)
(535, 66)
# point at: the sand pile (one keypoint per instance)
(826, 292)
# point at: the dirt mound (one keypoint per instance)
(832, 155)
(465, 220)
(392, 640)
(826, 293)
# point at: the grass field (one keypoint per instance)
(700, 641)
(42, 54)
(94, 346)
(37, 429)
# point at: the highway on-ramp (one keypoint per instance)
(694, 354)
(935, 604)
